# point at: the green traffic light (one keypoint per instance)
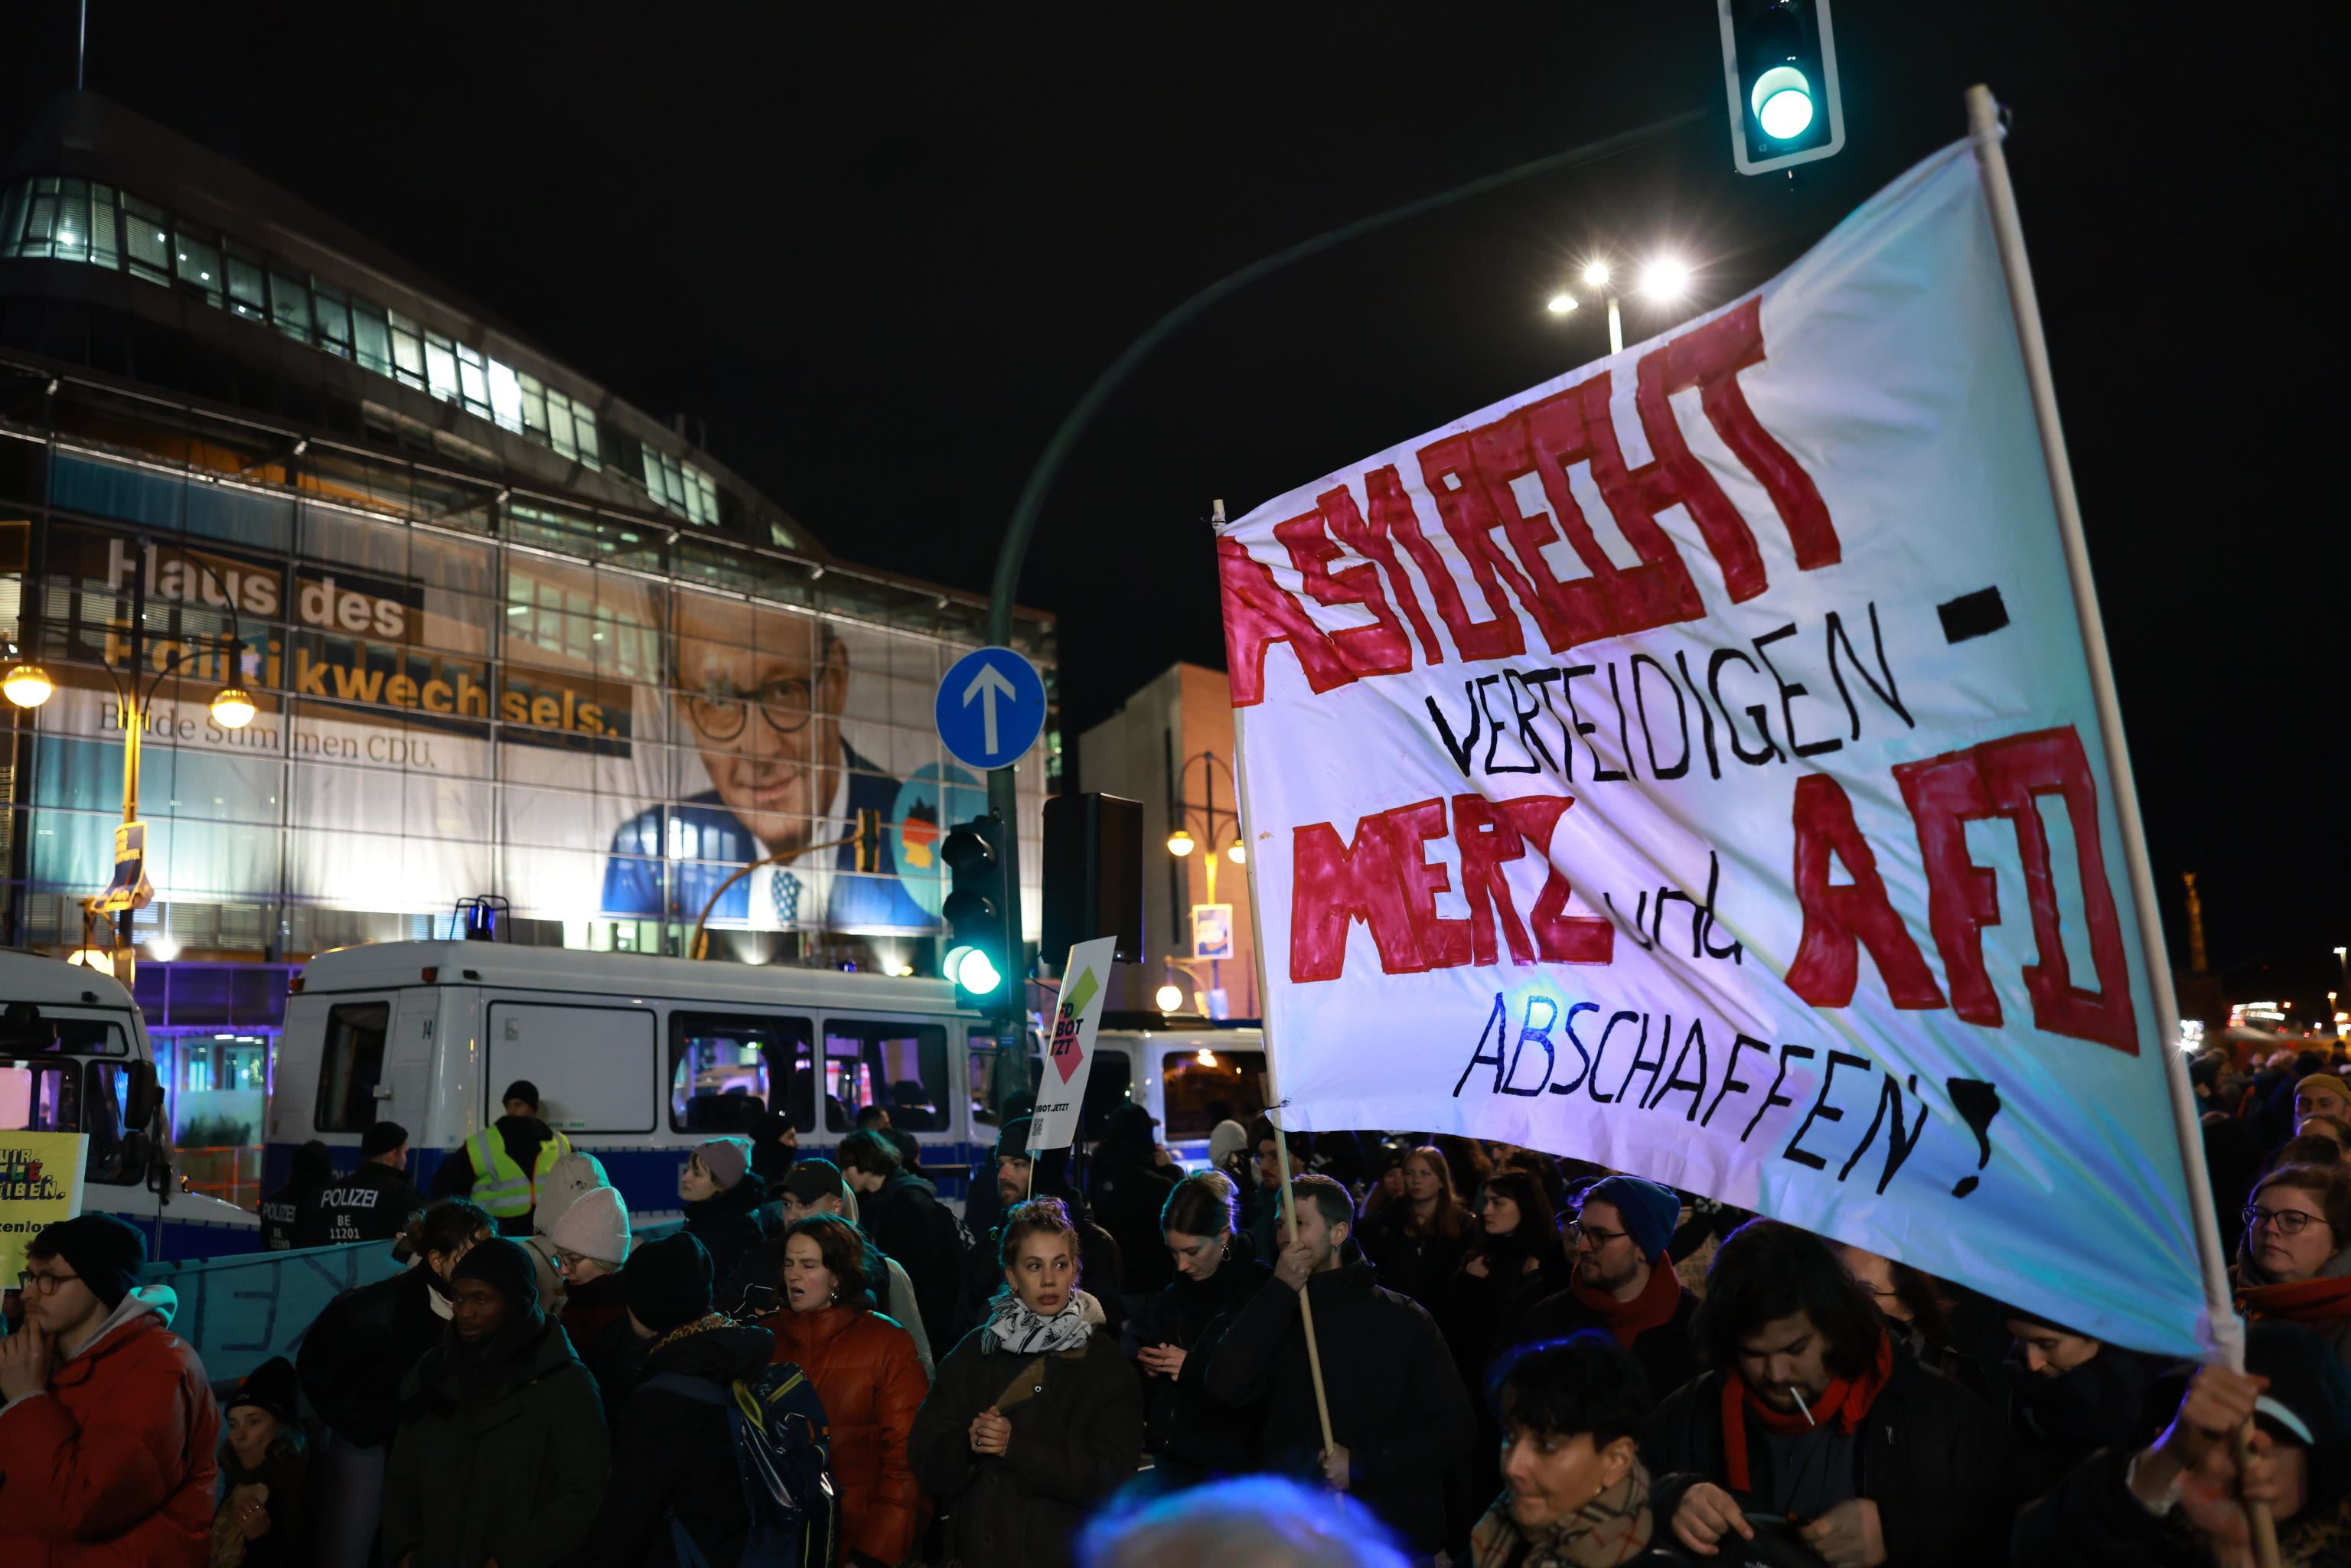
(1782, 100)
(973, 970)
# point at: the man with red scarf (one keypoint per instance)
(1812, 1426)
(1624, 1284)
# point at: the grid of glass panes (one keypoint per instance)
(542, 726)
(61, 218)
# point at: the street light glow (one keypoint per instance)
(27, 685)
(1169, 998)
(1236, 853)
(1665, 279)
(233, 708)
(1562, 303)
(1595, 273)
(1181, 844)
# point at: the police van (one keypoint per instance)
(636, 1059)
(1188, 1073)
(75, 1057)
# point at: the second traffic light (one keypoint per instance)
(975, 910)
(1779, 73)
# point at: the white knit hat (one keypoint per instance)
(595, 1225)
(565, 1181)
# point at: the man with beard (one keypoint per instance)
(759, 694)
(1807, 1414)
(1018, 1179)
(501, 1454)
(1626, 1285)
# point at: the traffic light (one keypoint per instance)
(1778, 71)
(975, 907)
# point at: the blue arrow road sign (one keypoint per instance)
(991, 708)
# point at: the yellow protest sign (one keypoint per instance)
(40, 1184)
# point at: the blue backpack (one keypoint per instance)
(782, 1453)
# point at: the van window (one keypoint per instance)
(350, 1066)
(1228, 1086)
(82, 1037)
(900, 1065)
(58, 1097)
(725, 1069)
(594, 1066)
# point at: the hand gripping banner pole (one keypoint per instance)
(2228, 1338)
(1272, 1078)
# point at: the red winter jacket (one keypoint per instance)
(114, 1464)
(865, 1370)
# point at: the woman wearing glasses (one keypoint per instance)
(2294, 1263)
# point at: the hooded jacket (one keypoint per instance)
(1127, 1187)
(507, 1460)
(864, 1369)
(113, 1464)
(352, 1360)
(904, 1219)
(1395, 1404)
(672, 1453)
(1077, 1435)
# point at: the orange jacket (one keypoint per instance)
(114, 1464)
(865, 1370)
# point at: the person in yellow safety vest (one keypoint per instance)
(500, 1166)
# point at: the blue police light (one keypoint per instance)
(1782, 100)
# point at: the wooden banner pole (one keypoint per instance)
(2008, 232)
(1273, 1079)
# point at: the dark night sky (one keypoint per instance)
(880, 251)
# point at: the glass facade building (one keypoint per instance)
(507, 634)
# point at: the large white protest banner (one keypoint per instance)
(1693, 764)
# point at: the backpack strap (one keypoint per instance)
(701, 1390)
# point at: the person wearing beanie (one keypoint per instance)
(590, 1243)
(502, 1451)
(501, 1167)
(289, 1216)
(673, 1463)
(265, 1518)
(352, 1363)
(2320, 1094)
(721, 1200)
(374, 1201)
(1018, 1179)
(94, 1388)
(903, 1214)
(571, 1176)
(1623, 1282)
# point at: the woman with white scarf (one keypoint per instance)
(1037, 1415)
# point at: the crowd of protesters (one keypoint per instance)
(1492, 1358)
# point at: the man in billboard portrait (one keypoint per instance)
(759, 694)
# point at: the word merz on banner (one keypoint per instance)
(1070, 1053)
(1693, 765)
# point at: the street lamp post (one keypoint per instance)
(1663, 280)
(1217, 822)
(27, 685)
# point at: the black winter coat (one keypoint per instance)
(362, 1344)
(2090, 1519)
(516, 1475)
(1414, 1266)
(1932, 1456)
(670, 1453)
(1195, 1436)
(1395, 1404)
(1668, 1355)
(726, 1225)
(1077, 1437)
(1126, 1197)
(905, 1220)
